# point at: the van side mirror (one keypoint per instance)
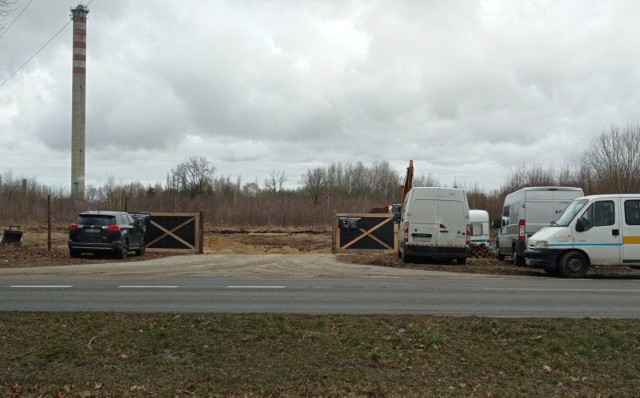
(496, 224)
(580, 225)
(504, 223)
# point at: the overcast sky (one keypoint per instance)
(470, 90)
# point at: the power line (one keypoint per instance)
(15, 19)
(36, 53)
(40, 49)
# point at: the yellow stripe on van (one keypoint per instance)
(631, 240)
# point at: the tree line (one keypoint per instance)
(610, 165)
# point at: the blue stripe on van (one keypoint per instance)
(583, 244)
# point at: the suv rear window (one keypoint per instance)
(96, 220)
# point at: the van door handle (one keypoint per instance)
(615, 232)
(444, 231)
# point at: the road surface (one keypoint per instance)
(260, 284)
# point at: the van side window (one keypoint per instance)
(603, 213)
(505, 212)
(599, 214)
(632, 212)
(513, 213)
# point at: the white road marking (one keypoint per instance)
(255, 287)
(518, 289)
(147, 287)
(41, 286)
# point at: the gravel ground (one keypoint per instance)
(305, 253)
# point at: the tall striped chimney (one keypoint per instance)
(78, 99)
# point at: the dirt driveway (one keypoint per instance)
(241, 265)
(258, 253)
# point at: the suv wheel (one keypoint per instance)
(74, 253)
(141, 250)
(124, 250)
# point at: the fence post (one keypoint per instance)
(201, 237)
(48, 222)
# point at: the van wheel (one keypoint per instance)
(499, 256)
(573, 265)
(518, 261)
(141, 250)
(406, 258)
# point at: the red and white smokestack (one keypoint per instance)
(78, 99)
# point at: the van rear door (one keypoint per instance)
(452, 224)
(424, 222)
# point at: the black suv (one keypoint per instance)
(106, 231)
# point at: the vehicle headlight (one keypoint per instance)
(541, 244)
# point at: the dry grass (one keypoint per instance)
(295, 355)
(87, 354)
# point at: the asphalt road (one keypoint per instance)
(428, 293)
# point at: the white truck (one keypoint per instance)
(525, 212)
(434, 224)
(594, 230)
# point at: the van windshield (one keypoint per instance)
(570, 213)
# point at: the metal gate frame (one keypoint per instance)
(384, 218)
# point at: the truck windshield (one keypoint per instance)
(570, 213)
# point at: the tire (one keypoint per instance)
(406, 258)
(518, 261)
(399, 254)
(499, 256)
(123, 252)
(141, 250)
(462, 261)
(573, 265)
(74, 253)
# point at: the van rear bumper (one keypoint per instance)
(436, 251)
(542, 258)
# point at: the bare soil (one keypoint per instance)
(32, 252)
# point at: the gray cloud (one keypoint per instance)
(468, 90)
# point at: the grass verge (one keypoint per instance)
(95, 354)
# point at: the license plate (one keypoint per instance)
(422, 239)
(92, 231)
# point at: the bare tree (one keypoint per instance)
(313, 185)
(275, 181)
(384, 182)
(428, 180)
(193, 177)
(613, 161)
(5, 9)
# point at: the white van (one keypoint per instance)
(434, 223)
(479, 221)
(525, 212)
(594, 230)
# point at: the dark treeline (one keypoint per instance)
(610, 165)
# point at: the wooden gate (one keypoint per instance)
(175, 232)
(355, 232)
